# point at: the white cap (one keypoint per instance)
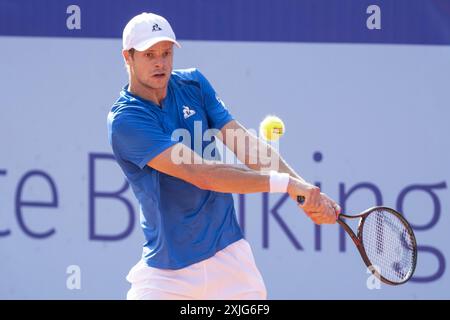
(145, 30)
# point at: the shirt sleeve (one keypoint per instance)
(217, 113)
(139, 138)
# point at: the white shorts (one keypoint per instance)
(231, 274)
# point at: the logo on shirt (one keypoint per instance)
(188, 112)
(156, 27)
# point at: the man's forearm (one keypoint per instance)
(182, 162)
(231, 178)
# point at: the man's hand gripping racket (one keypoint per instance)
(385, 241)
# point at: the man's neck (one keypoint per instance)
(153, 95)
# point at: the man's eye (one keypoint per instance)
(149, 55)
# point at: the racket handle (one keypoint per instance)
(301, 199)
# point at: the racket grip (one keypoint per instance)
(301, 199)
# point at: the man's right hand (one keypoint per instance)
(319, 207)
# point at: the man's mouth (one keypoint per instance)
(159, 75)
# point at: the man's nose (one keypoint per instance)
(159, 62)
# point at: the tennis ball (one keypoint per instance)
(271, 128)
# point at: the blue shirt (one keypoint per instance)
(182, 224)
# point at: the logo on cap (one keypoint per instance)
(156, 27)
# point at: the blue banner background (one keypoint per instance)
(403, 21)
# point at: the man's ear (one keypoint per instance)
(127, 56)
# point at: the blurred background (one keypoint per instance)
(363, 88)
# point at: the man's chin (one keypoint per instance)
(158, 84)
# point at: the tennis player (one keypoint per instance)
(194, 247)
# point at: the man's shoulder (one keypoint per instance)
(128, 104)
(190, 76)
(128, 115)
(120, 110)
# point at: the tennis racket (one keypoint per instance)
(385, 241)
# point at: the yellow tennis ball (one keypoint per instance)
(271, 128)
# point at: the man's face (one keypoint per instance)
(152, 67)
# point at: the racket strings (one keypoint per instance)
(389, 245)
